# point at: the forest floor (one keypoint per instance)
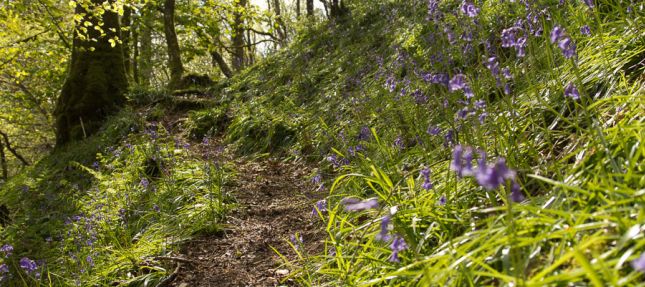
(274, 201)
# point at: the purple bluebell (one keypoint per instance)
(440, 78)
(355, 204)
(28, 265)
(6, 249)
(507, 73)
(516, 193)
(89, 260)
(390, 83)
(571, 91)
(156, 208)
(398, 245)
(144, 182)
(4, 268)
(493, 65)
(365, 134)
(457, 82)
(491, 177)
(321, 206)
(442, 200)
(95, 165)
(507, 89)
(398, 143)
(556, 34)
(482, 117)
(383, 235)
(449, 138)
(480, 104)
(568, 47)
(469, 9)
(463, 113)
(427, 184)
(585, 30)
(589, 3)
(639, 263)
(433, 130)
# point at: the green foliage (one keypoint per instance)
(100, 215)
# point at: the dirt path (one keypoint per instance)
(272, 206)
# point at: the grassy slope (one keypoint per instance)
(579, 163)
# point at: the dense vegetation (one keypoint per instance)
(459, 143)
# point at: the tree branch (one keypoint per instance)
(13, 151)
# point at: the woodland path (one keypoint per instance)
(274, 201)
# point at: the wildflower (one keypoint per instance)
(317, 179)
(507, 89)
(457, 82)
(95, 165)
(398, 245)
(6, 249)
(516, 194)
(492, 65)
(462, 162)
(506, 72)
(568, 47)
(585, 30)
(565, 43)
(156, 208)
(556, 34)
(589, 3)
(469, 9)
(4, 268)
(383, 235)
(89, 260)
(440, 79)
(433, 130)
(355, 204)
(398, 143)
(365, 134)
(639, 263)
(491, 177)
(321, 206)
(442, 200)
(571, 91)
(426, 179)
(481, 104)
(482, 117)
(296, 239)
(144, 182)
(28, 265)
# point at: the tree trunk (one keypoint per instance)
(126, 26)
(135, 53)
(3, 163)
(145, 60)
(219, 61)
(310, 8)
(238, 35)
(96, 84)
(297, 9)
(282, 29)
(174, 56)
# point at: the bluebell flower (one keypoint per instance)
(491, 177)
(144, 182)
(6, 249)
(442, 200)
(571, 91)
(469, 9)
(433, 130)
(589, 3)
(398, 245)
(365, 134)
(585, 30)
(516, 194)
(355, 204)
(457, 82)
(639, 263)
(321, 206)
(507, 73)
(28, 265)
(383, 235)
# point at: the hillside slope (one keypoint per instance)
(459, 143)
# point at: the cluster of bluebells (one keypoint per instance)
(490, 177)
(564, 42)
(427, 184)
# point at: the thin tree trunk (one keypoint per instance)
(238, 35)
(310, 8)
(297, 9)
(126, 26)
(219, 61)
(3, 163)
(281, 27)
(174, 56)
(135, 53)
(96, 84)
(145, 60)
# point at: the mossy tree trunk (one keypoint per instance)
(145, 58)
(96, 83)
(174, 56)
(238, 35)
